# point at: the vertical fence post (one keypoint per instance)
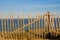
(34, 27)
(10, 23)
(29, 26)
(44, 27)
(18, 20)
(2, 23)
(39, 26)
(5, 24)
(59, 23)
(23, 22)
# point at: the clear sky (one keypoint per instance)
(29, 6)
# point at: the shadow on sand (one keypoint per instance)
(52, 36)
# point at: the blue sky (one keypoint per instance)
(29, 6)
